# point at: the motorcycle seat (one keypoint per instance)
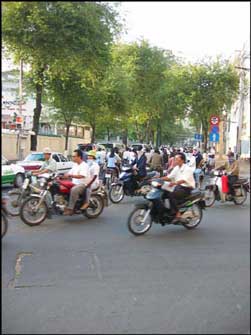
(194, 194)
(240, 181)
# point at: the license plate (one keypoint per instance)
(107, 175)
(26, 183)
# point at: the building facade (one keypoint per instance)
(237, 123)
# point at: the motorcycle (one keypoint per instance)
(126, 185)
(17, 196)
(35, 209)
(4, 217)
(213, 191)
(157, 209)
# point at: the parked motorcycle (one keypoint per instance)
(31, 184)
(35, 209)
(4, 217)
(127, 186)
(157, 209)
(213, 191)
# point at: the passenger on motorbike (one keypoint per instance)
(94, 172)
(182, 178)
(139, 163)
(80, 175)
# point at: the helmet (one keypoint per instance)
(91, 153)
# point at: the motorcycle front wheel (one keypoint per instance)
(95, 208)
(4, 224)
(135, 222)
(116, 193)
(30, 214)
(209, 198)
(14, 202)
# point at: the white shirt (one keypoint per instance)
(126, 155)
(80, 169)
(94, 171)
(183, 173)
(192, 162)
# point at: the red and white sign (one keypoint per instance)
(214, 120)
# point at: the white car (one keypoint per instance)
(35, 160)
(12, 173)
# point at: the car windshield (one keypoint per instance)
(107, 145)
(35, 157)
(4, 161)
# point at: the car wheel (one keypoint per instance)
(19, 179)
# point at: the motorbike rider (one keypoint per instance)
(139, 166)
(80, 175)
(49, 165)
(94, 171)
(182, 178)
(198, 164)
(233, 172)
(113, 160)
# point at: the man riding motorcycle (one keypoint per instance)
(80, 175)
(182, 178)
(139, 165)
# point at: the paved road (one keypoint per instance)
(74, 275)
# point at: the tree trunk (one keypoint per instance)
(67, 136)
(93, 132)
(158, 134)
(37, 110)
(108, 134)
(124, 136)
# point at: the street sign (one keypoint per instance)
(214, 137)
(214, 120)
(214, 129)
(198, 137)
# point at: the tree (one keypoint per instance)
(213, 87)
(49, 35)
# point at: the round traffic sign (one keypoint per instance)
(214, 120)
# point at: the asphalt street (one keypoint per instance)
(73, 275)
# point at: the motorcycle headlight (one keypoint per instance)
(42, 182)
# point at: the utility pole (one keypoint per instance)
(20, 131)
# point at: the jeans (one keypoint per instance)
(197, 173)
(231, 181)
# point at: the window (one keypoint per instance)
(35, 157)
(54, 156)
(62, 158)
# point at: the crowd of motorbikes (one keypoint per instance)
(48, 194)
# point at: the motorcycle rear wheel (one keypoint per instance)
(29, 215)
(96, 207)
(240, 200)
(195, 221)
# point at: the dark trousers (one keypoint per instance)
(177, 196)
(231, 181)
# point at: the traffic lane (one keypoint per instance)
(132, 284)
